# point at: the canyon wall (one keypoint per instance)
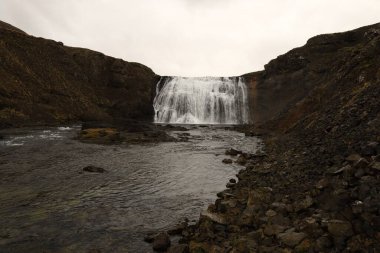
(44, 82)
(296, 83)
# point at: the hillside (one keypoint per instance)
(317, 188)
(44, 82)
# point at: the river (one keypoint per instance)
(48, 204)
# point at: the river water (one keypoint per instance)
(48, 204)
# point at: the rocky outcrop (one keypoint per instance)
(317, 188)
(309, 71)
(44, 82)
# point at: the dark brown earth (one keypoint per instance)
(317, 188)
(44, 82)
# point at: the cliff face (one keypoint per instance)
(315, 71)
(43, 81)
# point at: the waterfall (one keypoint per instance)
(201, 100)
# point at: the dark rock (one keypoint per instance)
(177, 229)
(362, 163)
(291, 238)
(339, 228)
(227, 161)
(161, 242)
(271, 230)
(242, 160)
(370, 149)
(180, 248)
(323, 243)
(353, 157)
(232, 180)
(94, 169)
(232, 152)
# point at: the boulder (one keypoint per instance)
(291, 238)
(242, 160)
(94, 169)
(227, 161)
(339, 228)
(161, 242)
(232, 152)
(180, 248)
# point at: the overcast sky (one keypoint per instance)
(189, 37)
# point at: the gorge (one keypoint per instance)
(82, 123)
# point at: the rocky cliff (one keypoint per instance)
(44, 82)
(316, 189)
(327, 62)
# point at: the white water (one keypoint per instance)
(201, 100)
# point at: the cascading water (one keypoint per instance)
(201, 100)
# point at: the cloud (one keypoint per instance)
(189, 37)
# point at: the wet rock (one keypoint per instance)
(232, 152)
(215, 217)
(339, 228)
(227, 161)
(291, 238)
(304, 246)
(94, 169)
(180, 248)
(149, 238)
(176, 230)
(230, 185)
(161, 242)
(242, 160)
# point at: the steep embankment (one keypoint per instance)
(43, 82)
(318, 187)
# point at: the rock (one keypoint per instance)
(362, 163)
(353, 157)
(232, 152)
(303, 204)
(233, 181)
(270, 230)
(270, 213)
(215, 217)
(180, 248)
(227, 161)
(149, 238)
(230, 185)
(357, 207)
(304, 246)
(339, 228)
(161, 242)
(323, 183)
(94, 169)
(176, 230)
(291, 238)
(375, 166)
(242, 160)
(323, 243)
(370, 149)
(259, 196)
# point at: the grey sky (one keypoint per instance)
(189, 37)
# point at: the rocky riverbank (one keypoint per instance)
(317, 188)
